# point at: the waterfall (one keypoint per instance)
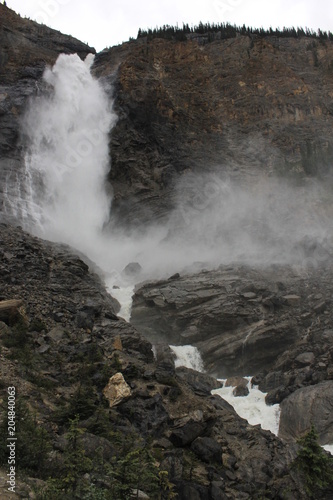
(188, 356)
(61, 192)
(252, 407)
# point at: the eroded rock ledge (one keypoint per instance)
(243, 319)
(273, 322)
(76, 341)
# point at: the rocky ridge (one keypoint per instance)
(70, 344)
(274, 323)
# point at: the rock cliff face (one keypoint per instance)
(271, 322)
(243, 108)
(242, 319)
(246, 106)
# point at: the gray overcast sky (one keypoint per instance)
(103, 23)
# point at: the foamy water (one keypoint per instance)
(188, 356)
(252, 407)
(124, 296)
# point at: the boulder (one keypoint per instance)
(56, 334)
(306, 406)
(240, 391)
(201, 383)
(207, 449)
(10, 311)
(249, 295)
(240, 386)
(183, 436)
(132, 270)
(306, 358)
(117, 390)
(292, 299)
(216, 491)
(139, 494)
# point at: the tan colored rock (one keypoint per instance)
(117, 345)
(240, 386)
(292, 300)
(10, 310)
(116, 390)
(236, 381)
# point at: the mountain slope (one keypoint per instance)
(243, 107)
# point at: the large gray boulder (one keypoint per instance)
(306, 406)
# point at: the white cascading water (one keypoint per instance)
(68, 157)
(124, 296)
(252, 407)
(188, 356)
(61, 194)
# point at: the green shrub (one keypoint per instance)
(17, 336)
(82, 404)
(37, 325)
(314, 463)
(33, 441)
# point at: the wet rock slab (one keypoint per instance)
(307, 406)
(236, 333)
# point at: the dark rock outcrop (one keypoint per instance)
(236, 330)
(70, 364)
(207, 449)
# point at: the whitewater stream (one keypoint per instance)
(251, 407)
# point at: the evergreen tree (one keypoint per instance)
(228, 31)
(314, 463)
(76, 463)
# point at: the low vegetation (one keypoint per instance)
(314, 463)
